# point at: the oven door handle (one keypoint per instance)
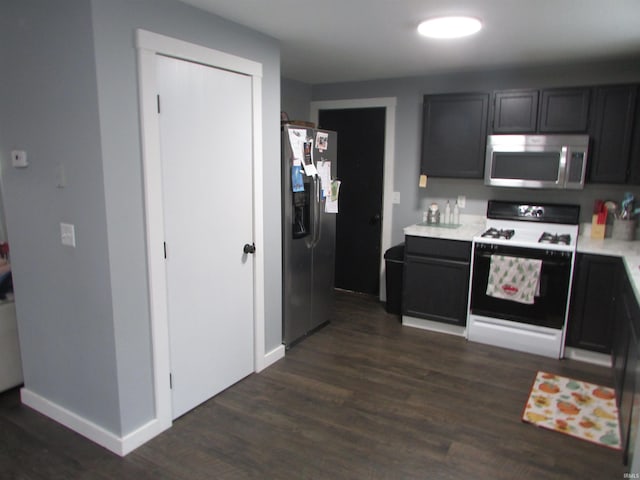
(545, 261)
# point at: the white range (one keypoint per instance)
(521, 272)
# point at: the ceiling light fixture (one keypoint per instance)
(449, 27)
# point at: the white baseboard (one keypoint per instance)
(118, 445)
(433, 326)
(587, 356)
(270, 358)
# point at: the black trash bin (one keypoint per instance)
(394, 266)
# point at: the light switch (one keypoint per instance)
(68, 234)
(396, 198)
(19, 159)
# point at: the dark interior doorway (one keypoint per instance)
(361, 136)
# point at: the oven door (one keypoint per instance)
(549, 308)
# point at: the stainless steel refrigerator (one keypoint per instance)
(308, 231)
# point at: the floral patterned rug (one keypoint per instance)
(579, 409)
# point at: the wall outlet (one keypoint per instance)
(462, 201)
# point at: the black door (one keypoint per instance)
(359, 222)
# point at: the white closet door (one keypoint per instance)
(206, 144)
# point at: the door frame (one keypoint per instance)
(389, 103)
(148, 46)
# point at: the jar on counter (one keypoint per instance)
(433, 215)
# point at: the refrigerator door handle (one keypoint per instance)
(317, 224)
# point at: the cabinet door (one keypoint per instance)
(454, 135)
(515, 111)
(611, 131)
(634, 416)
(634, 160)
(620, 347)
(436, 289)
(564, 110)
(628, 392)
(626, 363)
(590, 324)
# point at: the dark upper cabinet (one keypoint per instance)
(564, 110)
(455, 127)
(454, 135)
(515, 111)
(553, 110)
(592, 301)
(634, 159)
(611, 132)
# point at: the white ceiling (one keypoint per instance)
(346, 40)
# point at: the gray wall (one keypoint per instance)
(296, 99)
(49, 107)
(409, 92)
(70, 97)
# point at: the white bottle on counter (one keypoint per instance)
(447, 213)
(456, 214)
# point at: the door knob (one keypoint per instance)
(249, 248)
(375, 219)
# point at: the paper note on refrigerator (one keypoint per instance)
(308, 152)
(297, 137)
(322, 141)
(310, 169)
(324, 172)
(331, 203)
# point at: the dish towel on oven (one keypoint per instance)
(514, 278)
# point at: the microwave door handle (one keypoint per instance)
(563, 165)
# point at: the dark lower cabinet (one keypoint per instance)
(594, 287)
(436, 279)
(605, 317)
(629, 388)
(626, 364)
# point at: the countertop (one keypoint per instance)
(472, 225)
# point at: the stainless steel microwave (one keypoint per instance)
(536, 161)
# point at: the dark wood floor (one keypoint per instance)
(363, 398)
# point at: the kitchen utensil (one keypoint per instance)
(612, 208)
(626, 206)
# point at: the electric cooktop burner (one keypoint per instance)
(561, 239)
(502, 233)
